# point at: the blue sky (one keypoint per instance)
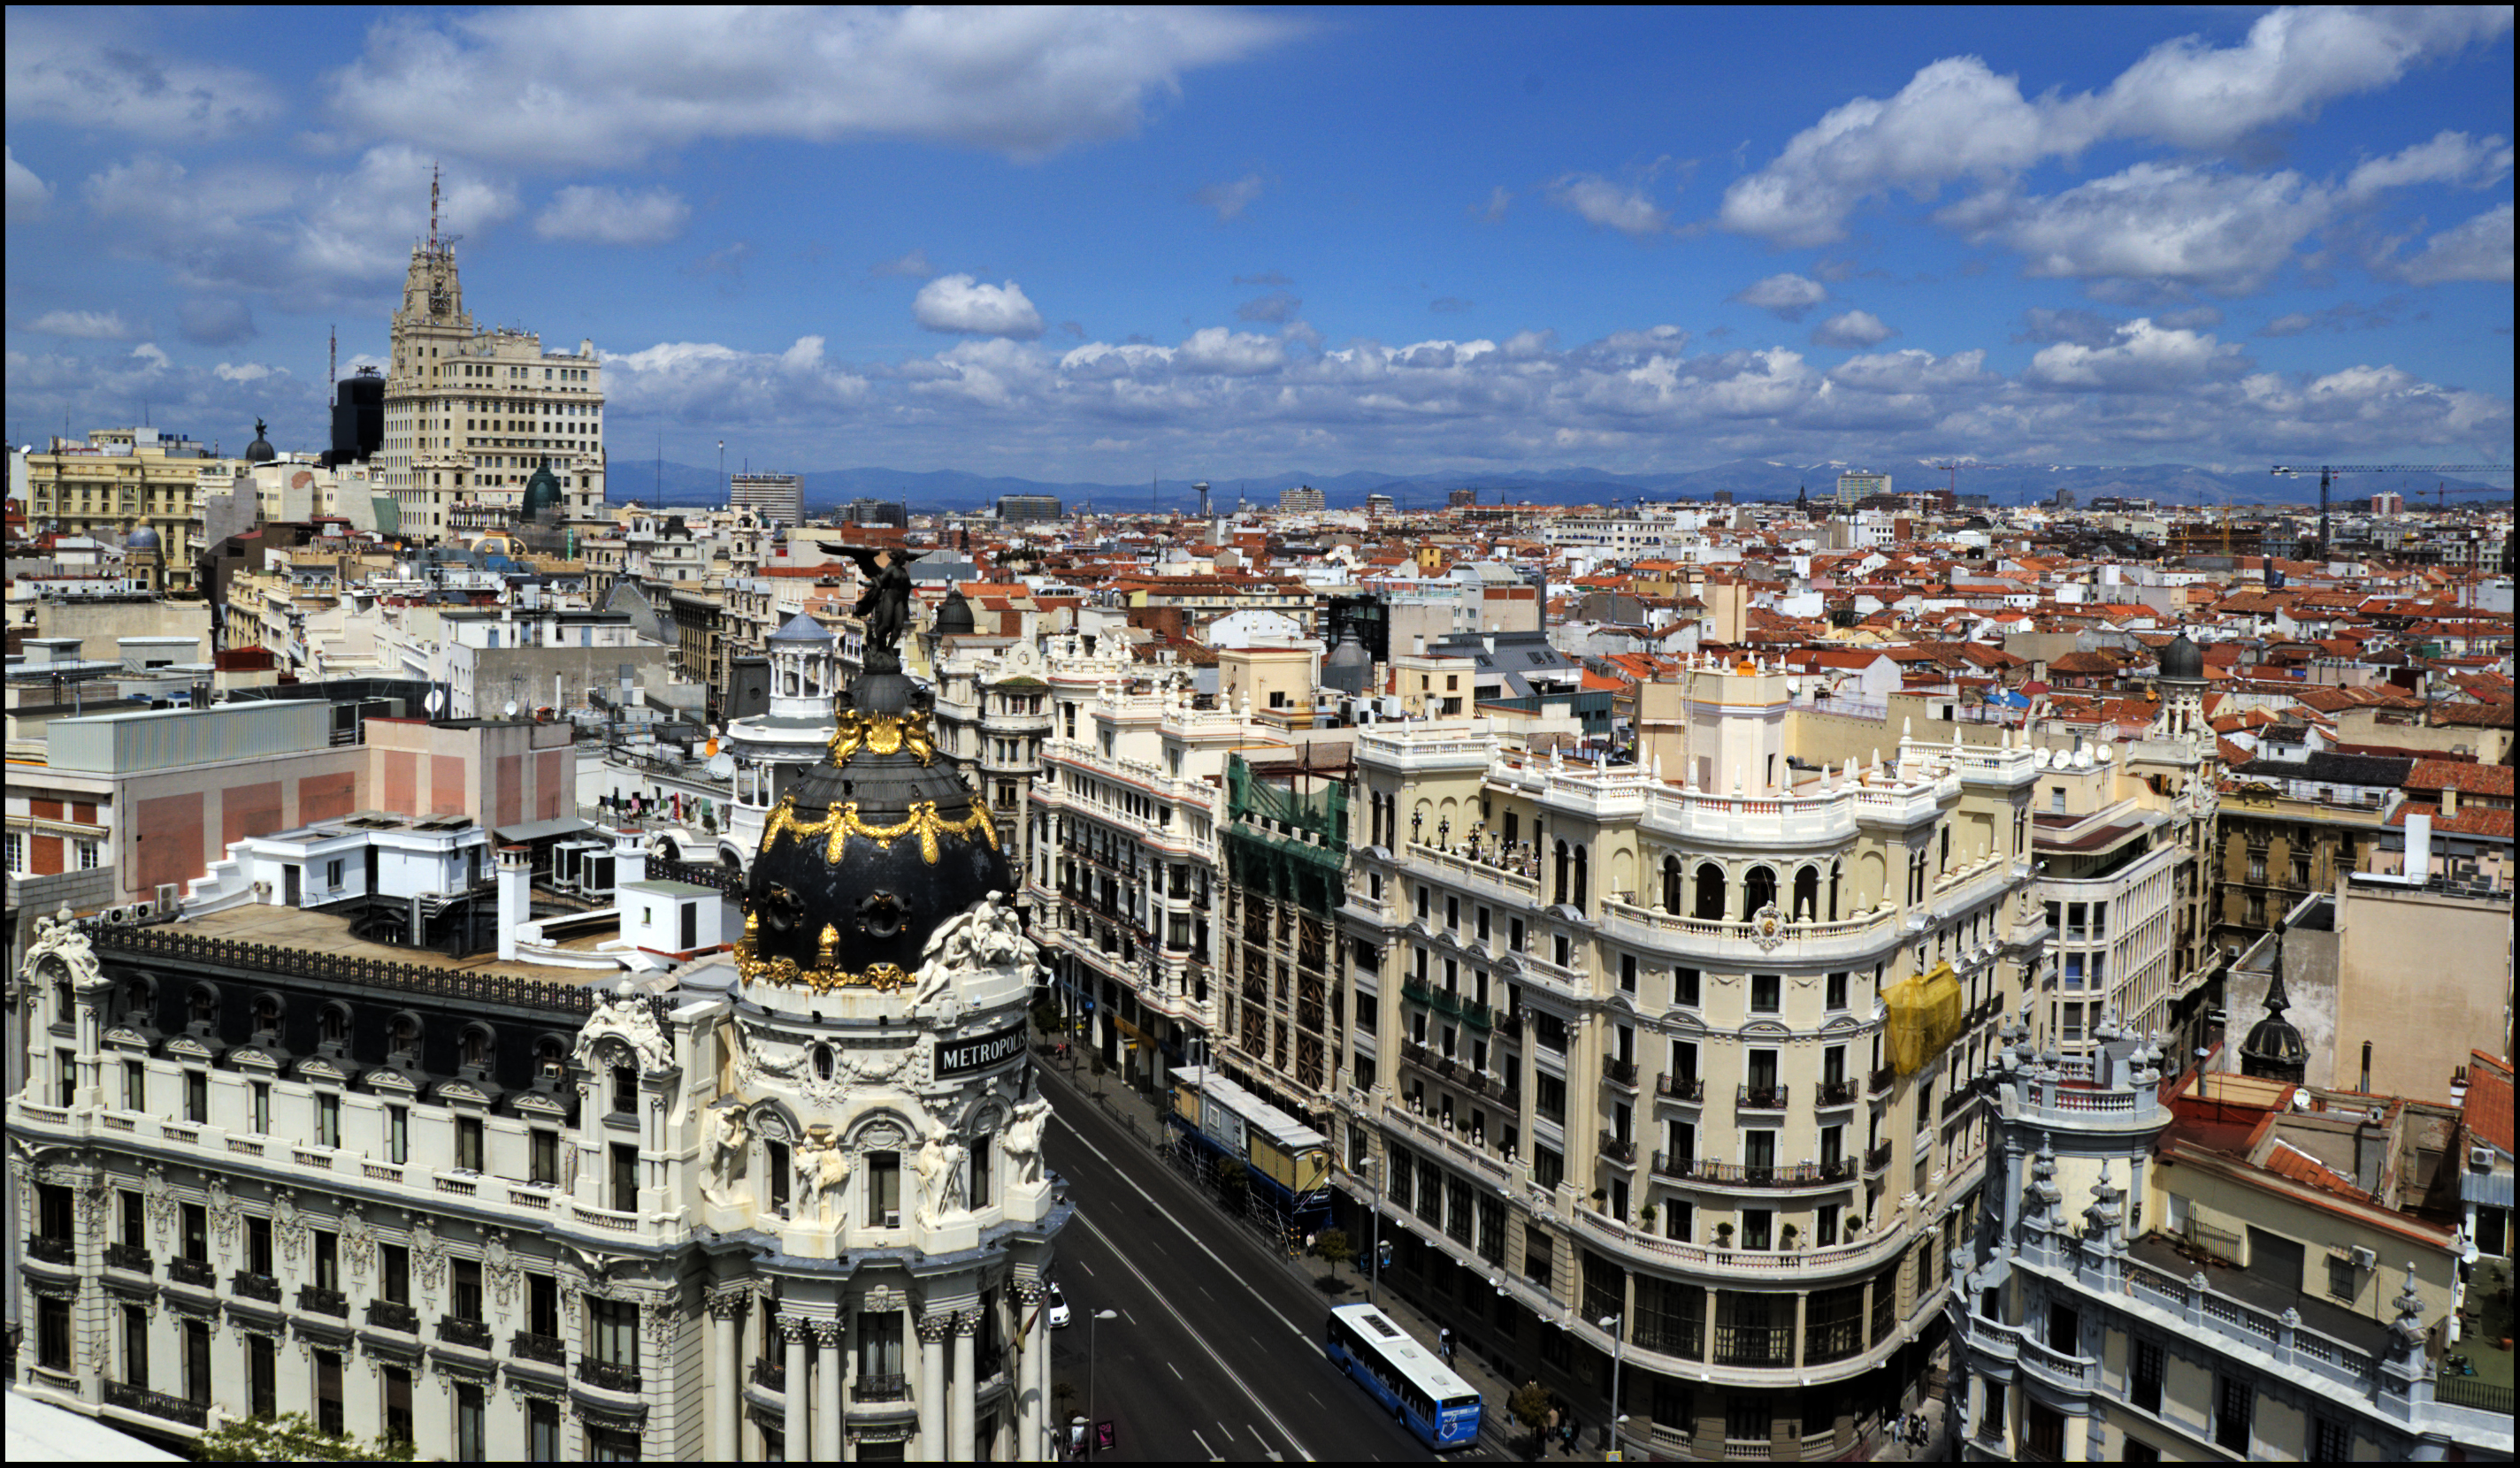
(1220, 243)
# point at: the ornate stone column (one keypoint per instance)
(966, 1386)
(1031, 1377)
(826, 1401)
(797, 1383)
(726, 1374)
(933, 1330)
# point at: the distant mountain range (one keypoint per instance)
(1745, 479)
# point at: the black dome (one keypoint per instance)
(876, 851)
(2275, 1050)
(2183, 659)
(542, 492)
(954, 618)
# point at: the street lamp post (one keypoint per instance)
(1093, 1323)
(1615, 1325)
(1374, 1248)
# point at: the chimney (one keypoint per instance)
(515, 897)
(2419, 842)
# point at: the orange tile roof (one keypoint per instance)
(2488, 1107)
(2288, 1161)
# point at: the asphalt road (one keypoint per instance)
(1215, 1352)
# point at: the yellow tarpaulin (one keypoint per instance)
(1924, 1017)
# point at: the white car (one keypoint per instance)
(1058, 1313)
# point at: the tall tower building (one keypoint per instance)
(471, 412)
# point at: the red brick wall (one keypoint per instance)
(167, 842)
(551, 785)
(327, 797)
(249, 811)
(508, 802)
(446, 786)
(402, 782)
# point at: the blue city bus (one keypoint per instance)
(1404, 1374)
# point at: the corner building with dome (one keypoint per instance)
(780, 1199)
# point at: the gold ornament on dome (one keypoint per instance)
(820, 977)
(882, 734)
(838, 825)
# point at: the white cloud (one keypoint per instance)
(87, 326)
(1605, 203)
(1214, 350)
(1789, 296)
(2176, 222)
(1500, 199)
(2478, 251)
(1957, 119)
(602, 216)
(960, 303)
(554, 88)
(913, 265)
(28, 194)
(1274, 308)
(705, 383)
(89, 71)
(1856, 328)
(2144, 357)
(1228, 201)
(2449, 158)
(241, 371)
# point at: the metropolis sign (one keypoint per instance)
(979, 1052)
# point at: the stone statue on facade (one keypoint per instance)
(1022, 1140)
(728, 1140)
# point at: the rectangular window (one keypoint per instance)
(613, 1331)
(262, 1375)
(197, 1097)
(626, 1091)
(1837, 990)
(397, 1395)
(625, 1178)
(1684, 987)
(397, 1134)
(261, 1120)
(472, 1437)
(328, 1120)
(467, 1143)
(135, 1223)
(327, 1260)
(546, 1155)
(542, 1431)
(883, 1189)
(135, 1347)
(328, 1390)
(978, 1194)
(1767, 993)
(394, 1273)
(1547, 1168)
(1628, 972)
(2235, 1400)
(135, 1086)
(197, 1233)
(465, 1301)
(257, 1245)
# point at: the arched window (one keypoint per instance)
(404, 1032)
(478, 1045)
(205, 1004)
(1757, 890)
(823, 1062)
(139, 1001)
(1807, 894)
(551, 1057)
(266, 1015)
(1710, 892)
(1836, 869)
(1670, 885)
(332, 1024)
(1561, 869)
(1583, 878)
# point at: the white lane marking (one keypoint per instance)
(1228, 1432)
(1125, 1316)
(1300, 1333)
(1127, 1264)
(1203, 1447)
(1175, 1372)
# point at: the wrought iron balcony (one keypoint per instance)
(886, 1388)
(1509, 1025)
(196, 1273)
(1690, 1089)
(770, 1376)
(157, 1403)
(472, 1333)
(1762, 1097)
(250, 1286)
(386, 1315)
(550, 1350)
(1618, 1149)
(1837, 1093)
(1881, 1080)
(130, 1257)
(1878, 1160)
(1479, 1014)
(1768, 1174)
(1619, 1072)
(52, 1251)
(317, 1300)
(609, 1375)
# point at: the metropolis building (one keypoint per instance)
(782, 1198)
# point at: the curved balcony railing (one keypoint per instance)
(387, 1315)
(1690, 1090)
(196, 1273)
(467, 1333)
(607, 1375)
(250, 1286)
(1762, 1097)
(314, 1299)
(530, 1345)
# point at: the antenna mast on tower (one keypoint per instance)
(331, 355)
(432, 208)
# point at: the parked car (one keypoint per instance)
(1058, 1313)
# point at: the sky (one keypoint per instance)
(1201, 243)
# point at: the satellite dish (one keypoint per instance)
(435, 702)
(508, 710)
(721, 766)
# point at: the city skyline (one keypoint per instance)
(1230, 243)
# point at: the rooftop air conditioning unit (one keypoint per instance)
(2481, 1158)
(2365, 1259)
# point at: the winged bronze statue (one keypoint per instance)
(886, 604)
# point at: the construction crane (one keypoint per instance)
(2328, 472)
(2441, 491)
(1955, 466)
